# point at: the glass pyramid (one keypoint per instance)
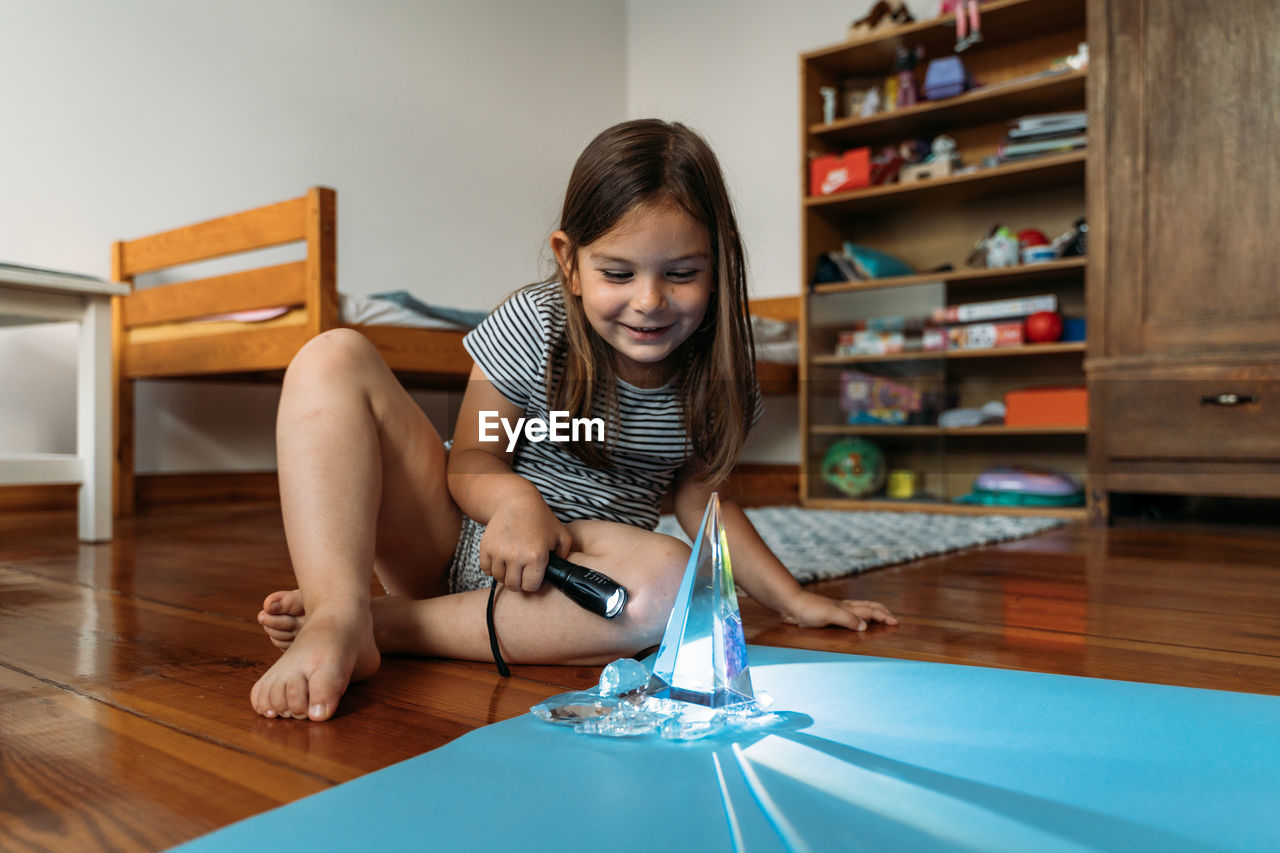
(703, 657)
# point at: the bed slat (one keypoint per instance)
(267, 287)
(273, 225)
(403, 350)
(241, 351)
(784, 308)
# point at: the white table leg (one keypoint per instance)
(93, 420)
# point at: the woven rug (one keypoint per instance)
(821, 544)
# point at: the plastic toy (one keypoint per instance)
(1036, 248)
(998, 249)
(991, 412)
(915, 150)
(855, 466)
(1073, 243)
(1038, 254)
(946, 77)
(872, 103)
(941, 162)
(828, 104)
(904, 65)
(1016, 485)
(1032, 237)
(886, 166)
(882, 14)
(1044, 327)
(968, 21)
(902, 484)
(912, 172)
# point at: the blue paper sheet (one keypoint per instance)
(876, 753)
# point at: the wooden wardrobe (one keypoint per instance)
(1183, 187)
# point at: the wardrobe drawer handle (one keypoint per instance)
(1228, 399)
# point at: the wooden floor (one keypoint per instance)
(125, 668)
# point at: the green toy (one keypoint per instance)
(855, 466)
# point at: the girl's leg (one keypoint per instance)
(362, 487)
(545, 626)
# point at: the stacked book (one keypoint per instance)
(1047, 133)
(983, 325)
(882, 336)
(974, 325)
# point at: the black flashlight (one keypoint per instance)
(594, 591)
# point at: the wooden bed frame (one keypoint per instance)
(156, 336)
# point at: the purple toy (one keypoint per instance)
(1026, 481)
(946, 77)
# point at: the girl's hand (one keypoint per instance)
(810, 610)
(517, 541)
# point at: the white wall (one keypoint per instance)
(448, 127)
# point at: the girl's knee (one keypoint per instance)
(330, 356)
(649, 605)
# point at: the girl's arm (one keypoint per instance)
(520, 528)
(761, 574)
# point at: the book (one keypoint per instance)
(888, 324)
(1041, 133)
(1053, 121)
(985, 335)
(873, 343)
(1006, 333)
(998, 309)
(1049, 145)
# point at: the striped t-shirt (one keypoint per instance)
(513, 348)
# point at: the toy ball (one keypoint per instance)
(1032, 237)
(1044, 327)
(1002, 249)
(855, 466)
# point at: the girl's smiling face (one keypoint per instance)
(645, 286)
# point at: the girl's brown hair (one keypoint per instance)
(628, 166)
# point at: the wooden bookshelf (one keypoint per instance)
(933, 225)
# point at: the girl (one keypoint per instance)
(643, 327)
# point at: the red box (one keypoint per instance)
(836, 173)
(1064, 406)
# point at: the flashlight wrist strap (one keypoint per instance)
(503, 669)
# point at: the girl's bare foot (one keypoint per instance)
(282, 616)
(323, 653)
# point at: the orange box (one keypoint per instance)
(836, 173)
(1063, 406)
